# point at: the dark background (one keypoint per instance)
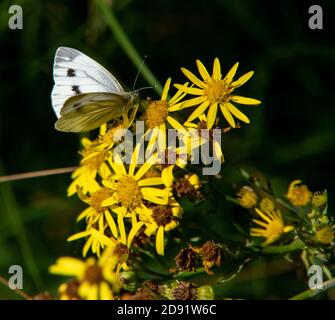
(291, 134)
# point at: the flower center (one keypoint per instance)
(185, 291)
(93, 274)
(70, 289)
(113, 135)
(184, 188)
(120, 250)
(156, 113)
(99, 196)
(325, 235)
(93, 163)
(275, 228)
(162, 215)
(247, 197)
(218, 91)
(129, 193)
(319, 199)
(298, 194)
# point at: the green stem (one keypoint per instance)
(314, 292)
(295, 245)
(126, 45)
(18, 291)
(10, 208)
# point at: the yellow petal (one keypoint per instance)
(109, 201)
(218, 151)
(191, 102)
(288, 229)
(84, 214)
(101, 224)
(101, 238)
(166, 89)
(227, 115)
(87, 246)
(157, 196)
(142, 170)
(260, 223)
(134, 159)
(190, 125)
(103, 129)
(190, 90)
(68, 266)
(245, 100)
(177, 97)
(237, 113)
(133, 232)
(117, 165)
(198, 111)
(79, 235)
(111, 224)
(193, 78)
(150, 182)
(216, 69)
(133, 218)
(211, 116)
(105, 291)
(92, 293)
(150, 229)
(160, 241)
(242, 80)
(175, 124)
(123, 236)
(155, 192)
(231, 73)
(202, 70)
(120, 210)
(263, 216)
(161, 139)
(167, 176)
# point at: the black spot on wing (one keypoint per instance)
(71, 73)
(75, 89)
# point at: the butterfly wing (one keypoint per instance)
(75, 73)
(87, 111)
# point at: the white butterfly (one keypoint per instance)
(85, 94)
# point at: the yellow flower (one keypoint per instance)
(214, 91)
(298, 193)
(319, 199)
(188, 186)
(95, 279)
(95, 153)
(120, 247)
(111, 135)
(158, 115)
(267, 204)
(96, 232)
(247, 197)
(131, 189)
(183, 290)
(162, 218)
(96, 217)
(325, 235)
(91, 164)
(195, 130)
(272, 226)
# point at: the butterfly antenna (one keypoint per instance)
(139, 71)
(144, 88)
